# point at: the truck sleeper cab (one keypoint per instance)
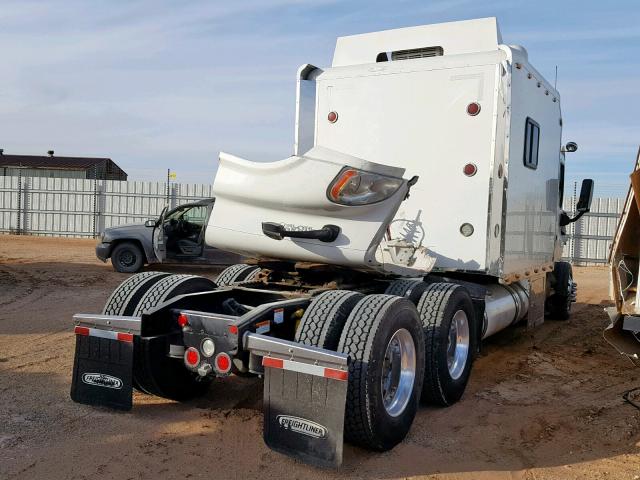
(419, 215)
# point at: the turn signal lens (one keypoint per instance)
(357, 187)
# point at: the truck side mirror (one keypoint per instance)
(150, 223)
(570, 147)
(586, 195)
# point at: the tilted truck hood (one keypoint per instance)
(293, 193)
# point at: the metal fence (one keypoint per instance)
(84, 208)
(590, 237)
(70, 207)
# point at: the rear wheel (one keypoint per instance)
(384, 339)
(237, 273)
(154, 371)
(323, 321)
(448, 319)
(169, 287)
(127, 257)
(410, 288)
(130, 291)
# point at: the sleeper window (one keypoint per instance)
(531, 144)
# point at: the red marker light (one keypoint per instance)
(473, 109)
(183, 320)
(470, 169)
(192, 357)
(124, 337)
(332, 117)
(81, 331)
(223, 363)
(233, 329)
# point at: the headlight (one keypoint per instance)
(357, 187)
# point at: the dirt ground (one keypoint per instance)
(540, 404)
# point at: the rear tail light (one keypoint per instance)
(357, 187)
(192, 357)
(183, 320)
(223, 363)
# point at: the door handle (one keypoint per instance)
(327, 234)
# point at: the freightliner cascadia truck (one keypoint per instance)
(419, 214)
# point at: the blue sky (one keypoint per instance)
(156, 84)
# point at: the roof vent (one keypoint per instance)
(50, 152)
(417, 53)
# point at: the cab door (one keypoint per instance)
(159, 238)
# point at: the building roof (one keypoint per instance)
(44, 161)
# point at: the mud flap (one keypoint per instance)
(103, 368)
(305, 392)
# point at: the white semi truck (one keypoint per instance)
(419, 214)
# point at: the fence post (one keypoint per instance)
(168, 183)
(19, 214)
(572, 228)
(25, 205)
(95, 203)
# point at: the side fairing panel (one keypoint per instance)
(293, 193)
(532, 202)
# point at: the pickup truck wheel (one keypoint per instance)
(558, 305)
(127, 257)
(448, 319)
(154, 372)
(130, 291)
(384, 338)
(237, 273)
(412, 289)
(324, 319)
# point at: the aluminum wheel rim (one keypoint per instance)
(458, 345)
(398, 372)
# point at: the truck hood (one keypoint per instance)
(293, 193)
(136, 230)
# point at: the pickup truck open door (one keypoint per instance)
(159, 240)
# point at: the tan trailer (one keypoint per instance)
(624, 261)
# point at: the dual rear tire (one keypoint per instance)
(154, 372)
(414, 342)
(238, 273)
